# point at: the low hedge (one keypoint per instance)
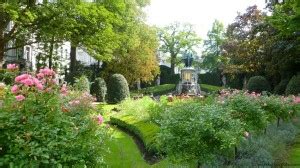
(157, 90)
(210, 88)
(145, 130)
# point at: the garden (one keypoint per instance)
(44, 123)
(92, 84)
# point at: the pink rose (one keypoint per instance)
(12, 67)
(27, 82)
(40, 75)
(47, 72)
(20, 98)
(64, 90)
(297, 100)
(21, 77)
(100, 119)
(15, 89)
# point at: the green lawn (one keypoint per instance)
(123, 152)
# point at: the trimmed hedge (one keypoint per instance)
(281, 87)
(166, 76)
(157, 90)
(82, 84)
(293, 86)
(145, 130)
(118, 89)
(258, 84)
(210, 88)
(210, 78)
(99, 89)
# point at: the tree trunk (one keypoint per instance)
(73, 59)
(2, 46)
(173, 59)
(278, 122)
(1, 55)
(51, 52)
(245, 83)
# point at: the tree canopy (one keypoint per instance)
(177, 38)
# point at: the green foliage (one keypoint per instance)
(258, 84)
(99, 89)
(143, 129)
(118, 89)
(212, 59)
(276, 107)
(166, 76)
(210, 88)
(265, 149)
(177, 38)
(157, 90)
(82, 84)
(281, 87)
(39, 133)
(213, 78)
(293, 86)
(193, 132)
(249, 111)
(137, 108)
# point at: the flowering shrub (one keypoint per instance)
(38, 130)
(7, 75)
(191, 132)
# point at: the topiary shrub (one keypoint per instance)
(118, 89)
(281, 87)
(82, 84)
(293, 86)
(99, 89)
(258, 84)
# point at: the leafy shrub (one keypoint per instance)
(82, 84)
(249, 111)
(118, 89)
(41, 128)
(258, 84)
(293, 87)
(276, 108)
(266, 149)
(192, 132)
(138, 108)
(143, 129)
(281, 87)
(99, 89)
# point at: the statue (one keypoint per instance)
(188, 58)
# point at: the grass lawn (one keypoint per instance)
(123, 152)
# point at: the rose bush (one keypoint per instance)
(40, 127)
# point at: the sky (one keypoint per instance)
(200, 13)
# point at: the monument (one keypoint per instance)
(188, 83)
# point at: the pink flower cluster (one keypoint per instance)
(64, 90)
(12, 67)
(39, 83)
(99, 119)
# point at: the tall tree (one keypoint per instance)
(139, 62)
(212, 47)
(177, 38)
(17, 23)
(243, 47)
